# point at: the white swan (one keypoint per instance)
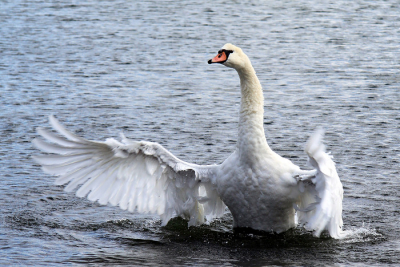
(261, 189)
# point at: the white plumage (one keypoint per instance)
(261, 189)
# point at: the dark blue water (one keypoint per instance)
(103, 67)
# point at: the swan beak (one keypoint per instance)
(220, 58)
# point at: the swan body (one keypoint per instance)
(263, 190)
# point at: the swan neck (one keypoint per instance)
(251, 126)
(252, 100)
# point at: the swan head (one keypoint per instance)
(231, 56)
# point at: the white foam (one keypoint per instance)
(360, 234)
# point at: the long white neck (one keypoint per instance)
(251, 137)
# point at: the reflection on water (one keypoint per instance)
(140, 67)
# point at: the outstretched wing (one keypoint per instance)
(320, 204)
(138, 176)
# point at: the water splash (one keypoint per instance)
(361, 234)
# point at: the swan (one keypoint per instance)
(262, 190)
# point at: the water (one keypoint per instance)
(103, 67)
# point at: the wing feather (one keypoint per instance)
(60, 159)
(136, 176)
(58, 140)
(67, 134)
(320, 205)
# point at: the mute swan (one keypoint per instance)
(262, 190)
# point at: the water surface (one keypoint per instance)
(103, 67)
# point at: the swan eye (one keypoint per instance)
(221, 57)
(222, 51)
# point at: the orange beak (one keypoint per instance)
(220, 58)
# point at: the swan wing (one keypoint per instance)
(320, 204)
(134, 175)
